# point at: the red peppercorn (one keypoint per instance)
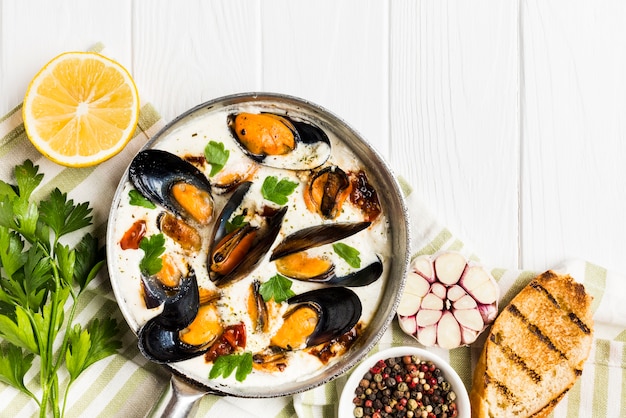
(424, 368)
(368, 403)
(398, 378)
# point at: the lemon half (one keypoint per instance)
(81, 109)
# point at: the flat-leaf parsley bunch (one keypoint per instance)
(39, 274)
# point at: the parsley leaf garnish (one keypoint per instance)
(277, 287)
(237, 222)
(216, 155)
(62, 215)
(41, 275)
(153, 247)
(137, 199)
(277, 191)
(225, 365)
(348, 253)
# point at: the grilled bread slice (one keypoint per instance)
(535, 350)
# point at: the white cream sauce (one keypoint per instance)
(191, 139)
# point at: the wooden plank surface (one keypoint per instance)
(573, 149)
(507, 117)
(454, 116)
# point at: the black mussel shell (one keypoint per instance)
(229, 209)
(360, 278)
(180, 305)
(153, 172)
(162, 345)
(315, 236)
(339, 309)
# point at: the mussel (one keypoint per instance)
(257, 308)
(316, 236)
(180, 304)
(280, 141)
(316, 317)
(292, 259)
(183, 329)
(233, 255)
(204, 329)
(300, 266)
(169, 181)
(326, 191)
(161, 345)
(240, 170)
(180, 231)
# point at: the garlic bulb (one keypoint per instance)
(447, 301)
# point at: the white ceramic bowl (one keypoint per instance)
(346, 407)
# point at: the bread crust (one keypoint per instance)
(535, 350)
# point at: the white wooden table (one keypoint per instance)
(508, 117)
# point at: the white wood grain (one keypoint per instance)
(33, 32)
(436, 81)
(188, 53)
(454, 116)
(334, 54)
(574, 104)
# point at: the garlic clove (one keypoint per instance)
(432, 302)
(424, 267)
(469, 318)
(427, 336)
(478, 282)
(448, 331)
(485, 293)
(426, 317)
(455, 293)
(466, 302)
(439, 290)
(408, 324)
(449, 267)
(415, 288)
(468, 336)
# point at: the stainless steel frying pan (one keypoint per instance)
(179, 399)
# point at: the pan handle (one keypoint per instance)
(179, 400)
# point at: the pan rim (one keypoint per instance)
(400, 234)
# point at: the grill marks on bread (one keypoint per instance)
(535, 350)
(534, 329)
(515, 359)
